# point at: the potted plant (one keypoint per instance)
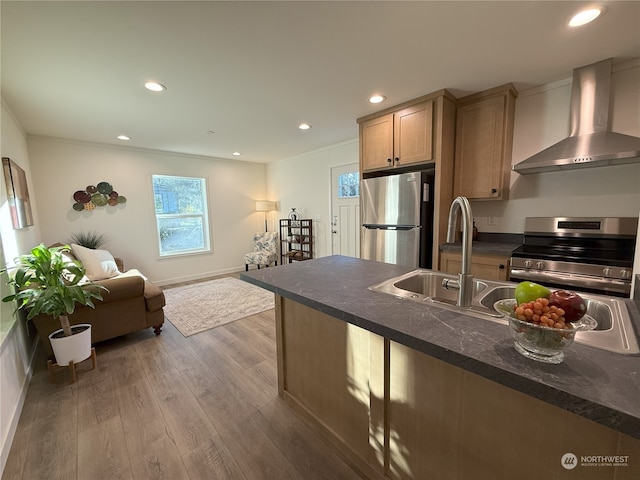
(91, 240)
(46, 282)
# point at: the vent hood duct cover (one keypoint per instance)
(591, 143)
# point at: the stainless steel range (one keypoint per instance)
(587, 254)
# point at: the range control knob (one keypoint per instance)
(528, 264)
(539, 265)
(607, 272)
(625, 274)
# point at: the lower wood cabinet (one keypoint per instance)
(395, 413)
(486, 267)
(332, 371)
(448, 423)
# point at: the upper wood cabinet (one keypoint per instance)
(398, 139)
(418, 132)
(484, 137)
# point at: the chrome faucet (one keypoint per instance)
(464, 283)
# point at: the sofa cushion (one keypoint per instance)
(99, 264)
(153, 296)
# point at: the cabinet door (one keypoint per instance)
(376, 143)
(478, 158)
(486, 267)
(449, 423)
(413, 134)
(324, 365)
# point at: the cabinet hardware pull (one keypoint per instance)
(388, 160)
(397, 159)
(494, 190)
(501, 267)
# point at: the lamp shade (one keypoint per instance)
(265, 206)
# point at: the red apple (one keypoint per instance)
(573, 305)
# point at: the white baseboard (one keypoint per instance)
(190, 278)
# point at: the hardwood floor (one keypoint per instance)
(170, 407)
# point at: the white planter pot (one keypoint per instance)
(75, 348)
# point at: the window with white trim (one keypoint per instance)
(349, 185)
(182, 218)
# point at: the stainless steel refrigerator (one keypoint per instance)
(397, 219)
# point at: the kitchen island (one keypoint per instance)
(406, 390)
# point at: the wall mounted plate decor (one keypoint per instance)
(17, 194)
(98, 195)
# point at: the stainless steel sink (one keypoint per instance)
(614, 332)
(431, 286)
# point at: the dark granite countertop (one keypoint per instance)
(498, 244)
(593, 383)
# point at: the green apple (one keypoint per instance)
(529, 291)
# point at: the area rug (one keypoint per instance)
(201, 306)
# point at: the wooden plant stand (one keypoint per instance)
(53, 367)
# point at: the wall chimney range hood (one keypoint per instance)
(591, 143)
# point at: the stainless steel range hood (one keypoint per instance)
(591, 143)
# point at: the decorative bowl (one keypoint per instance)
(538, 342)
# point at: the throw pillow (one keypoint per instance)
(100, 264)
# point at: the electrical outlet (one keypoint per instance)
(318, 218)
(491, 220)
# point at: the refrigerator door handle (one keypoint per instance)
(391, 227)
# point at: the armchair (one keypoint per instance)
(265, 250)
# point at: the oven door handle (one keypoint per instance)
(585, 281)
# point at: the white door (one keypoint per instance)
(345, 210)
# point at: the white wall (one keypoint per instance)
(62, 167)
(542, 119)
(304, 182)
(16, 347)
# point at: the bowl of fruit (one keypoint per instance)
(544, 322)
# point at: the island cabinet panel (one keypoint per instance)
(396, 413)
(486, 267)
(326, 373)
(447, 423)
(423, 414)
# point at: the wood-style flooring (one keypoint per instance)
(169, 407)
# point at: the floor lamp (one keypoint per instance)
(265, 206)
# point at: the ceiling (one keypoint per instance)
(241, 76)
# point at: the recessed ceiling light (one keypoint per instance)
(304, 126)
(377, 98)
(123, 137)
(154, 86)
(236, 154)
(585, 16)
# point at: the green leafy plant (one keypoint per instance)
(47, 282)
(88, 239)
